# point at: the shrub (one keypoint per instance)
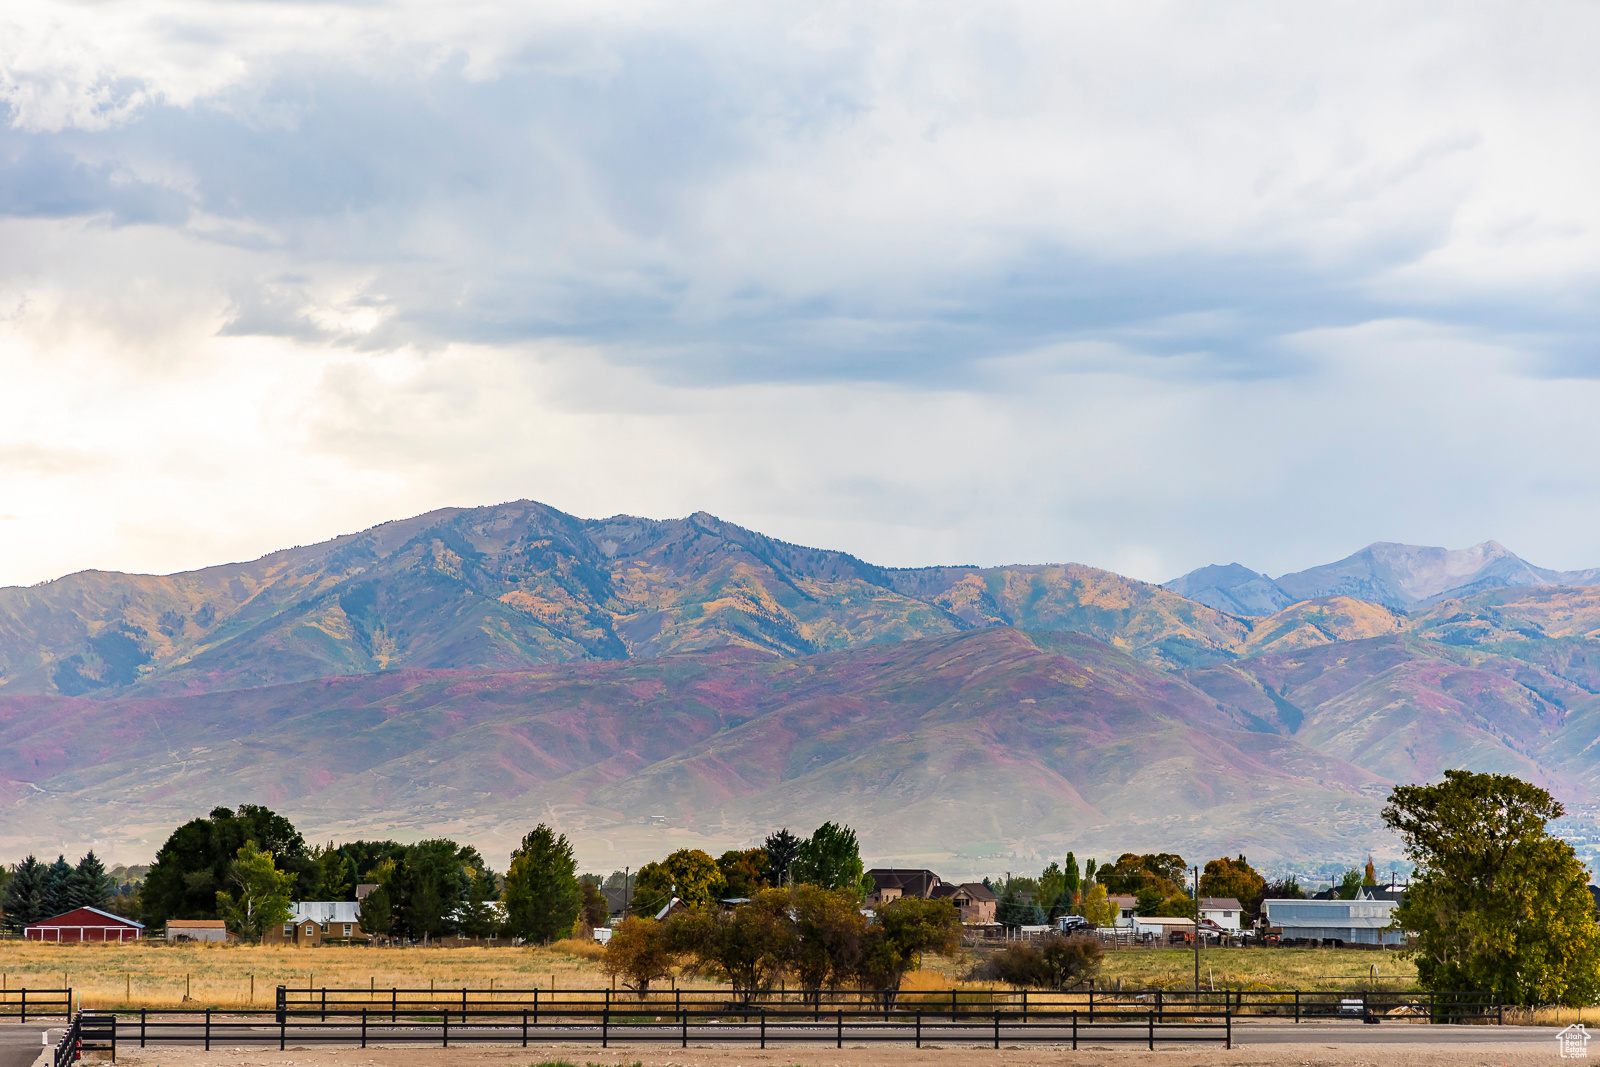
(1053, 962)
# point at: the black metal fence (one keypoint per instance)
(88, 1032)
(23, 1004)
(885, 1004)
(566, 1022)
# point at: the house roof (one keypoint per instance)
(910, 881)
(616, 900)
(1122, 901)
(324, 911)
(976, 890)
(196, 924)
(103, 914)
(1220, 904)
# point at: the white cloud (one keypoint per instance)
(1144, 285)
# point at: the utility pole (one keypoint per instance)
(627, 886)
(1197, 937)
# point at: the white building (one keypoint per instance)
(1224, 911)
(1355, 922)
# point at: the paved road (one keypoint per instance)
(19, 1045)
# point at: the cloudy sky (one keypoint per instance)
(1145, 286)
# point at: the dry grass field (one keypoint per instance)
(223, 976)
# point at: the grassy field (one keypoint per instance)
(151, 975)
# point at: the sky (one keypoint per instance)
(1141, 285)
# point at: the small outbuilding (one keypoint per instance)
(84, 924)
(197, 930)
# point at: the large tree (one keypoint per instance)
(688, 874)
(429, 888)
(1231, 878)
(24, 901)
(257, 897)
(781, 848)
(829, 858)
(907, 928)
(1497, 904)
(193, 865)
(749, 944)
(90, 885)
(542, 894)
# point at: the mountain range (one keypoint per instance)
(647, 684)
(1397, 576)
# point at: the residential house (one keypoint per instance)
(1224, 911)
(313, 922)
(1355, 922)
(892, 883)
(1125, 907)
(974, 901)
(616, 904)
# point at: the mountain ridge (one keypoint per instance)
(1398, 576)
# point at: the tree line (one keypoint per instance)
(34, 891)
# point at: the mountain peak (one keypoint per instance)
(1396, 575)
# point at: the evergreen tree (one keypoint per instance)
(91, 886)
(1073, 883)
(24, 901)
(57, 889)
(781, 849)
(542, 894)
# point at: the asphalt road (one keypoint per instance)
(19, 1045)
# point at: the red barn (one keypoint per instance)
(84, 924)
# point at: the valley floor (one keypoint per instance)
(154, 976)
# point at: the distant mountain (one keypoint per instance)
(1396, 576)
(521, 585)
(947, 750)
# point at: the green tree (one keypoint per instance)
(1052, 890)
(831, 937)
(744, 872)
(478, 916)
(781, 849)
(638, 954)
(90, 885)
(331, 870)
(688, 874)
(830, 858)
(596, 910)
(1497, 904)
(57, 888)
(542, 895)
(429, 886)
(260, 894)
(24, 901)
(376, 913)
(1073, 884)
(193, 864)
(907, 928)
(749, 945)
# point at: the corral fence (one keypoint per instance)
(954, 1004)
(585, 1021)
(25, 1004)
(89, 1032)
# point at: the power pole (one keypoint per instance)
(1197, 937)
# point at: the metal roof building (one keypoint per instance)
(1353, 922)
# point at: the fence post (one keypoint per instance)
(1227, 1018)
(605, 1025)
(1161, 1006)
(524, 1027)
(1024, 1007)
(24, 1003)
(1150, 1017)
(446, 1029)
(840, 1032)
(141, 1028)
(919, 1027)
(1297, 1005)
(683, 1020)
(1499, 1010)
(283, 1003)
(996, 1029)
(283, 1031)
(1074, 1029)
(208, 1029)
(394, 1004)
(324, 1003)
(363, 1027)
(1091, 1007)
(763, 1028)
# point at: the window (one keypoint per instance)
(288, 929)
(1227, 915)
(347, 929)
(324, 927)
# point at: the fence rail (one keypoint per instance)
(629, 1024)
(89, 1032)
(23, 1004)
(884, 1004)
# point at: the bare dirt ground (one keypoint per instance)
(1488, 1053)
